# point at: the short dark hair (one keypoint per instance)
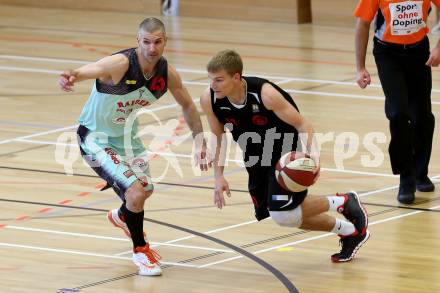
(228, 60)
(152, 24)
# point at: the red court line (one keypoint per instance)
(9, 268)
(183, 39)
(66, 201)
(100, 185)
(83, 193)
(186, 52)
(35, 183)
(176, 133)
(22, 218)
(71, 43)
(44, 210)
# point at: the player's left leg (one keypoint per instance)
(352, 236)
(309, 216)
(308, 212)
(144, 257)
(419, 87)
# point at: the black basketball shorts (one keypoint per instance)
(267, 195)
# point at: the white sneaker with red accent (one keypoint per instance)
(117, 221)
(147, 261)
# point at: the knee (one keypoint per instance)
(135, 196)
(429, 120)
(399, 118)
(289, 218)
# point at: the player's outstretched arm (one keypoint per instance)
(217, 128)
(192, 117)
(109, 70)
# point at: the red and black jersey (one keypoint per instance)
(256, 129)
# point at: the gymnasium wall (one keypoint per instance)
(147, 6)
(321, 12)
(333, 12)
(258, 10)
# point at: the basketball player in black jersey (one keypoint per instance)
(265, 121)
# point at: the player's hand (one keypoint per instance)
(317, 171)
(202, 157)
(363, 78)
(221, 185)
(434, 57)
(66, 81)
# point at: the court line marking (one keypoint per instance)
(193, 236)
(167, 106)
(42, 59)
(330, 234)
(303, 92)
(216, 262)
(168, 154)
(26, 137)
(313, 238)
(274, 271)
(283, 79)
(39, 134)
(433, 178)
(254, 221)
(252, 256)
(329, 94)
(110, 238)
(360, 195)
(66, 251)
(32, 125)
(26, 69)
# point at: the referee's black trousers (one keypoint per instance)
(407, 83)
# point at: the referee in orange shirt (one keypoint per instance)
(403, 60)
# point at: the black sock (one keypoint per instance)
(135, 224)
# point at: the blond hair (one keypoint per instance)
(228, 60)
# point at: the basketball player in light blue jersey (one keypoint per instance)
(126, 81)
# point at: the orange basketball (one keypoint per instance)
(295, 171)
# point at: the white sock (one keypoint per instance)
(343, 228)
(335, 202)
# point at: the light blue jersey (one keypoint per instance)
(107, 112)
(109, 106)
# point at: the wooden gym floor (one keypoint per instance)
(54, 236)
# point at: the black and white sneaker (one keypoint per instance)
(353, 211)
(350, 245)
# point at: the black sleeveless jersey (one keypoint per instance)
(258, 131)
(134, 78)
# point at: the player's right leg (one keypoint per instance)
(144, 257)
(106, 161)
(351, 208)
